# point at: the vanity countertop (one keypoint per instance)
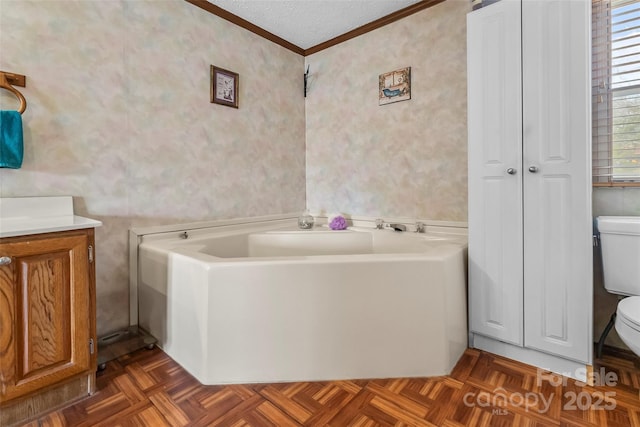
(21, 216)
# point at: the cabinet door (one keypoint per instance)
(495, 147)
(45, 313)
(557, 194)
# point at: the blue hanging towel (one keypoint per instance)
(11, 146)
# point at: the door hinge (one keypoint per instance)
(91, 346)
(90, 254)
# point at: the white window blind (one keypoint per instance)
(616, 92)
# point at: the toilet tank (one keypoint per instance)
(620, 245)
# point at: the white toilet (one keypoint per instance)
(620, 244)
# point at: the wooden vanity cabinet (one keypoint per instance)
(47, 322)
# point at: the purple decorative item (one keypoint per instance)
(338, 223)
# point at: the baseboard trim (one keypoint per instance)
(24, 409)
(544, 361)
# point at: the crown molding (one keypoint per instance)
(374, 25)
(235, 19)
(378, 23)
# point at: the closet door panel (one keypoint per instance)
(557, 177)
(495, 150)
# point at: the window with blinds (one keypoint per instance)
(616, 92)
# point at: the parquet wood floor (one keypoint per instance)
(147, 388)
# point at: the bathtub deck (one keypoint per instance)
(147, 388)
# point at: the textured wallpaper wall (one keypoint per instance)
(119, 118)
(404, 159)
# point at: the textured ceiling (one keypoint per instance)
(307, 23)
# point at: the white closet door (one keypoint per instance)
(495, 195)
(557, 177)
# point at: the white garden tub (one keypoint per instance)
(268, 303)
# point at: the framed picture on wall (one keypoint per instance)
(394, 86)
(224, 87)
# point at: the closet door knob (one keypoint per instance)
(5, 260)
(511, 171)
(533, 169)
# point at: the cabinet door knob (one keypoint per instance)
(533, 169)
(5, 260)
(511, 171)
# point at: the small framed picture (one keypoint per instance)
(224, 87)
(394, 86)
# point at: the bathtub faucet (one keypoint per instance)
(398, 227)
(380, 225)
(184, 235)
